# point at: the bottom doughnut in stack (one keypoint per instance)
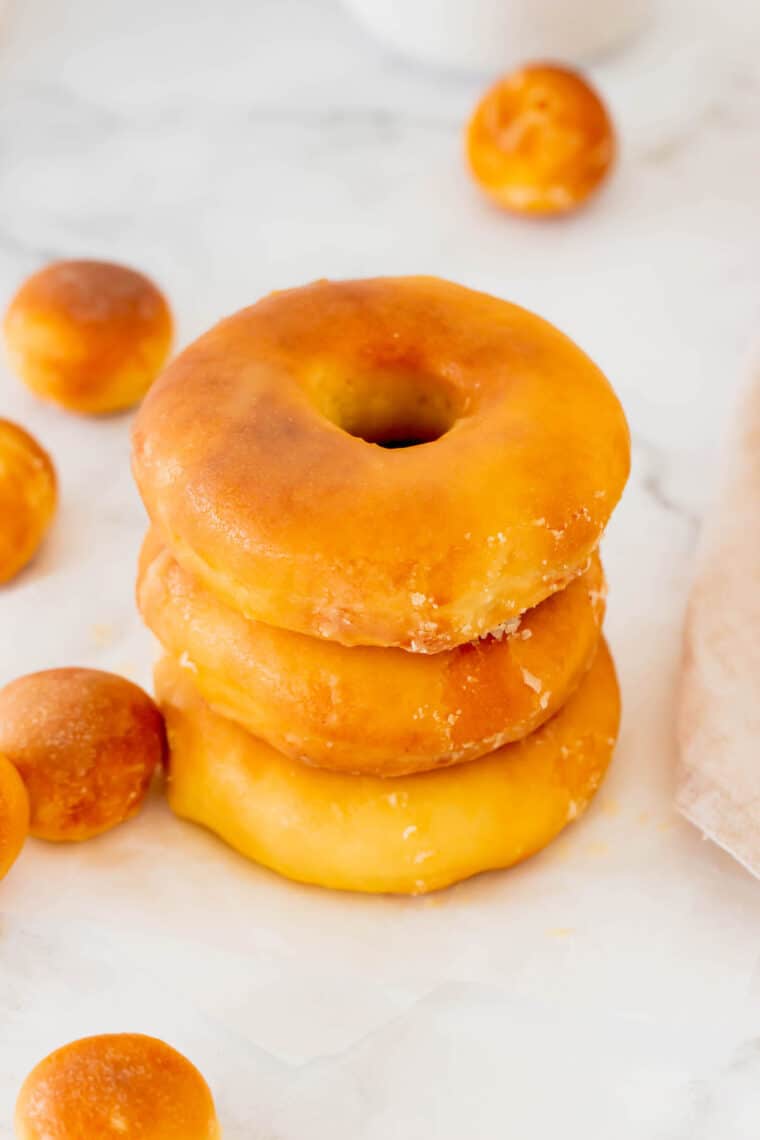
(400, 835)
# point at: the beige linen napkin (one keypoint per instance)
(719, 712)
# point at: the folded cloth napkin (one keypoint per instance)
(719, 712)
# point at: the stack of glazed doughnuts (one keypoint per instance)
(372, 565)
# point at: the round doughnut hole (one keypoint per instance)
(541, 141)
(394, 409)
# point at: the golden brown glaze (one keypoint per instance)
(14, 815)
(86, 745)
(376, 711)
(88, 335)
(28, 498)
(252, 457)
(541, 141)
(405, 835)
(112, 1087)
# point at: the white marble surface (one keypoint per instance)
(611, 986)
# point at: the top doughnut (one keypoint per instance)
(257, 457)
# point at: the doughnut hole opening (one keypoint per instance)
(390, 409)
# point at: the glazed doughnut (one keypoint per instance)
(116, 1085)
(89, 336)
(256, 455)
(28, 498)
(85, 743)
(377, 711)
(404, 835)
(541, 141)
(14, 815)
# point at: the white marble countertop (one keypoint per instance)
(609, 987)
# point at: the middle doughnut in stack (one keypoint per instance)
(382, 712)
(376, 507)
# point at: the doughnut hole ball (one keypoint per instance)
(89, 336)
(114, 1086)
(28, 498)
(86, 744)
(14, 815)
(541, 141)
